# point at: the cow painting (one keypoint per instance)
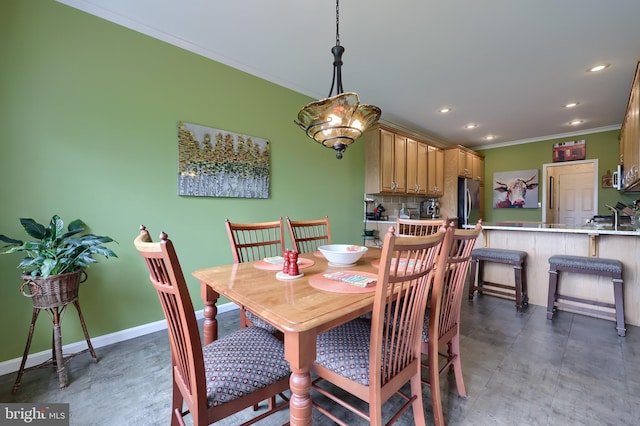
(512, 193)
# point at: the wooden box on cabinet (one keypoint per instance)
(385, 162)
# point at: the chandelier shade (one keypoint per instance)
(337, 121)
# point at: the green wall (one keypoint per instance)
(88, 112)
(603, 146)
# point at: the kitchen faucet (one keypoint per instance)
(615, 216)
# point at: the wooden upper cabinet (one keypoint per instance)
(477, 168)
(416, 167)
(465, 164)
(385, 162)
(630, 135)
(435, 171)
(469, 164)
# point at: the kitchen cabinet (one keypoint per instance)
(469, 164)
(465, 163)
(385, 161)
(477, 168)
(459, 163)
(435, 171)
(630, 138)
(399, 164)
(417, 164)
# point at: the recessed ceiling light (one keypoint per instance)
(489, 137)
(598, 68)
(576, 122)
(571, 105)
(471, 126)
(444, 110)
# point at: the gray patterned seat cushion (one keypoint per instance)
(588, 263)
(513, 256)
(425, 326)
(244, 361)
(259, 322)
(345, 350)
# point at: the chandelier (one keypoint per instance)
(337, 121)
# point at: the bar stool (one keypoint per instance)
(516, 258)
(591, 266)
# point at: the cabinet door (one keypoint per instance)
(387, 153)
(412, 166)
(435, 172)
(478, 168)
(423, 162)
(416, 167)
(400, 164)
(465, 163)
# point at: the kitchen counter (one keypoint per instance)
(541, 241)
(600, 229)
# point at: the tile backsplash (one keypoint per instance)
(393, 204)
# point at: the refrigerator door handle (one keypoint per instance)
(468, 208)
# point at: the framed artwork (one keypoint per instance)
(516, 189)
(219, 163)
(569, 151)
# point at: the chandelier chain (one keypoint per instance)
(337, 22)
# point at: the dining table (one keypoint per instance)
(301, 307)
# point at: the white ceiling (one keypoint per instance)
(508, 65)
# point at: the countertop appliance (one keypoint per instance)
(468, 202)
(431, 210)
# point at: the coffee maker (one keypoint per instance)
(431, 210)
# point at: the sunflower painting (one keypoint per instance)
(218, 163)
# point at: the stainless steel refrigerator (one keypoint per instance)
(468, 202)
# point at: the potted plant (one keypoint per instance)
(52, 270)
(55, 260)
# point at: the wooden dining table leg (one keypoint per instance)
(300, 351)
(210, 327)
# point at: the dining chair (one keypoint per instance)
(373, 359)
(223, 377)
(308, 235)
(418, 227)
(441, 327)
(251, 242)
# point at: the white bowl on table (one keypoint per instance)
(342, 254)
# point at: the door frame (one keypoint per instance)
(545, 182)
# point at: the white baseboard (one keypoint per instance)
(13, 365)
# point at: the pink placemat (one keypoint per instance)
(302, 263)
(321, 283)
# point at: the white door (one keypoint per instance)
(575, 198)
(570, 193)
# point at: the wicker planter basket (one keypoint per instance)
(53, 291)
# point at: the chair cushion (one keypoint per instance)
(425, 326)
(259, 322)
(242, 362)
(515, 256)
(345, 350)
(588, 263)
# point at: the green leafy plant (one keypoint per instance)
(54, 251)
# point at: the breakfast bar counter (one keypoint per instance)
(541, 241)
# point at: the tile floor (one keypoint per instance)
(519, 369)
